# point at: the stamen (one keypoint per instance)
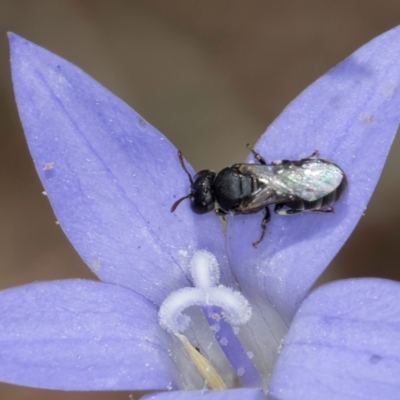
(207, 371)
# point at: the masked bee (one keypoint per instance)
(293, 186)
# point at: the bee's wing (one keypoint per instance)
(266, 193)
(260, 199)
(309, 179)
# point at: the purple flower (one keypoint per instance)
(112, 178)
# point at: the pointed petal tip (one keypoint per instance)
(350, 115)
(11, 35)
(63, 109)
(13, 38)
(18, 45)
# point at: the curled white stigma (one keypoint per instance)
(205, 275)
(204, 270)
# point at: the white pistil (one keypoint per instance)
(204, 270)
(205, 275)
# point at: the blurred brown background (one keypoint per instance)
(211, 75)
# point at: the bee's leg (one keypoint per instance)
(314, 154)
(258, 157)
(264, 223)
(220, 212)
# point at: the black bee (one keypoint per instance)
(294, 186)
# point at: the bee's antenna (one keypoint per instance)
(176, 204)
(184, 166)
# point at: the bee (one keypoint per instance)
(310, 184)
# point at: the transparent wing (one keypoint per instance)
(308, 180)
(266, 193)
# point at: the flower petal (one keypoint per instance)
(82, 335)
(343, 344)
(237, 394)
(350, 115)
(110, 176)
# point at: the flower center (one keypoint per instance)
(224, 310)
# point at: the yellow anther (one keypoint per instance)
(207, 371)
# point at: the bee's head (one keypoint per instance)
(200, 194)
